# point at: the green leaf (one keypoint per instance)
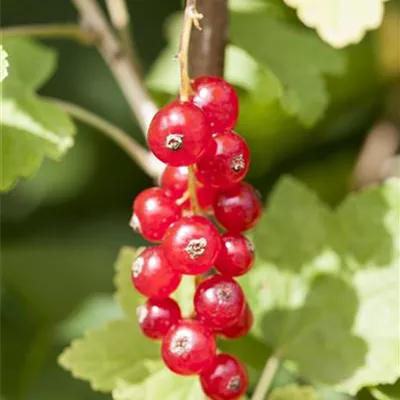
(280, 236)
(369, 222)
(338, 23)
(118, 351)
(294, 392)
(32, 128)
(128, 298)
(3, 64)
(162, 384)
(377, 322)
(310, 298)
(32, 65)
(299, 65)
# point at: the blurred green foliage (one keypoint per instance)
(61, 231)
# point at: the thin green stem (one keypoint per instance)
(140, 155)
(193, 191)
(267, 376)
(64, 31)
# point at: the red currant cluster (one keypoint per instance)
(196, 137)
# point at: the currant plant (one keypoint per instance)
(206, 163)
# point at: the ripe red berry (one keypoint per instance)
(153, 213)
(156, 316)
(236, 256)
(241, 327)
(191, 245)
(175, 181)
(225, 379)
(188, 348)
(152, 275)
(238, 208)
(225, 161)
(219, 101)
(219, 302)
(179, 133)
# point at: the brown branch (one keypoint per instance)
(118, 61)
(207, 48)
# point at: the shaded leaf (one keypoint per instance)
(340, 23)
(118, 351)
(299, 65)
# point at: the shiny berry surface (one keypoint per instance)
(236, 256)
(219, 101)
(242, 327)
(219, 302)
(225, 161)
(239, 208)
(188, 348)
(153, 213)
(156, 316)
(152, 275)
(192, 245)
(179, 133)
(175, 182)
(225, 379)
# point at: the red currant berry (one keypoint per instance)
(225, 379)
(219, 302)
(188, 348)
(153, 213)
(156, 316)
(219, 101)
(242, 327)
(236, 255)
(225, 161)
(175, 181)
(179, 133)
(191, 245)
(152, 276)
(238, 208)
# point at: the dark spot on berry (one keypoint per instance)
(196, 248)
(180, 345)
(224, 293)
(234, 384)
(238, 163)
(250, 246)
(174, 141)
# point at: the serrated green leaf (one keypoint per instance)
(299, 65)
(116, 352)
(32, 65)
(3, 63)
(31, 129)
(281, 237)
(305, 298)
(161, 385)
(128, 298)
(368, 223)
(377, 322)
(339, 23)
(294, 392)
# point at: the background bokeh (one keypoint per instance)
(61, 231)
